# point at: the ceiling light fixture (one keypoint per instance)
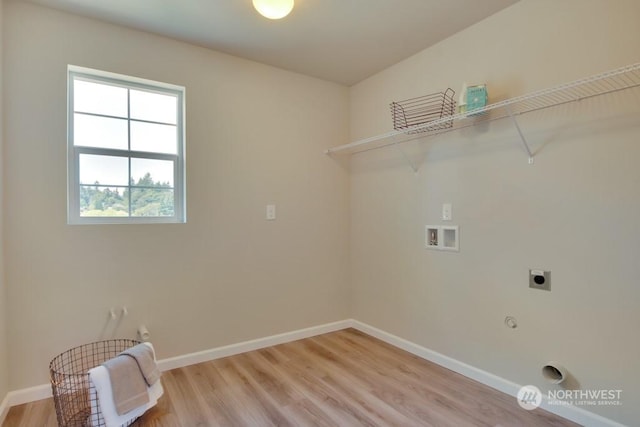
(273, 9)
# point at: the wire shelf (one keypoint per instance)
(73, 393)
(611, 81)
(415, 115)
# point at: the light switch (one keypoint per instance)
(446, 212)
(271, 212)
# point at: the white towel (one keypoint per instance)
(99, 376)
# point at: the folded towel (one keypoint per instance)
(127, 383)
(102, 402)
(102, 399)
(144, 357)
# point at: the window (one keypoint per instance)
(126, 149)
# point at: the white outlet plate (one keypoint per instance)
(447, 212)
(271, 212)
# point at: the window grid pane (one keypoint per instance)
(153, 107)
(153, 202)
(100, 131)
(104, 170)
(153, 137)
(99, 201)
(98, 98)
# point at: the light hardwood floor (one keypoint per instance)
(344, 378)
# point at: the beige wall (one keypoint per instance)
(255, 135)
(574, 212)
(4, 371)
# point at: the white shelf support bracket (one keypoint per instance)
(522, 138)
(407, 159)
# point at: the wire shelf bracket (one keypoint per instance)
(413, 166)
(522, 137)
(608, 82)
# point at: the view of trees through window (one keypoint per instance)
(146, 198)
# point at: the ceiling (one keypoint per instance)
(344, 41)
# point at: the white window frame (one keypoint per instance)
(74, 152)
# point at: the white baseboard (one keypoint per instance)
(31, 394)
(243, 347)
(4, 408)
(573, 413)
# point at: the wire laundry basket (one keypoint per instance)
(413, 113)
(73, 393)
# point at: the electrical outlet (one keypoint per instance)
(271, 212)
(447, 212)
(540, 279)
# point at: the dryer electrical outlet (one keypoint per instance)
(540, 279)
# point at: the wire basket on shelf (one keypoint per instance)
(73, 393)
(413, 115)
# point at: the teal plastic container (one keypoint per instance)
(477, 97)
